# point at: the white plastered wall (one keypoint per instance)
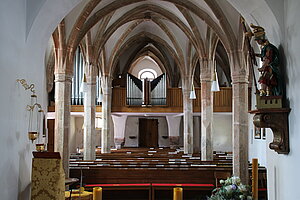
(281, 22)
(22, 52)
(222, 132)
(145, 63)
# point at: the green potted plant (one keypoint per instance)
(231, 189)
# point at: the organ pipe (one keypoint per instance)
(146, 92)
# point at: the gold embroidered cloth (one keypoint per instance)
(48, 179)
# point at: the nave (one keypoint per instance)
(41, 39)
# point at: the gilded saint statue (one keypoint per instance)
(270, 76)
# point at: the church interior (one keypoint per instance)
(149, 99)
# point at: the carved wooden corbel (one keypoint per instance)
(277, 120)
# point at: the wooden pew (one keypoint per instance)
(152, 166)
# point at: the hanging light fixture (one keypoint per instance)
(35, 116)
(83, 84)
(36, 112)
(193, 93)
(215, 83)
(32, 129)
(40, 146)
(100, 97)
(100, 94)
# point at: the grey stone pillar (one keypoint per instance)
(62, 117)
(206, 110)
(197, 133)
(206, 120)
(187, 116)
(89, 119)
(106, 82)
(240, 126)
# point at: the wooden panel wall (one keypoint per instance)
(222, 102)
(174, 97)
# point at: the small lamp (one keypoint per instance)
(193, 93)
(40, 146)
(100, 94)
(215, 83)
(83, 84)
(100, 97)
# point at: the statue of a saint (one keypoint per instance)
(269, 79)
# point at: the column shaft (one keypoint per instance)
(187, 119)
(197, 133)
(89, 119)
(106, 114)
(206, 120)
(240, 130)
(62, 117)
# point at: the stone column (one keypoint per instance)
(197, 133)
(106, 83)
(89, 118)
(206, 110)
(187, 116)
(206, 120)
(62, 117)
(119, 130)
(240, 126)
(173, 128)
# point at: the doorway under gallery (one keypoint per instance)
(148, 132)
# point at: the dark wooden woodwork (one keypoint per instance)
(54, 155)
(111, 175)
(160, 170)
(277, 120)
(250, 97)
(51, 127)
(146, 92)
(148, 132)
(222, 102)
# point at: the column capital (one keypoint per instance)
(91, 80)
(186, 83)
(207, 77)
(206, 69)
(236, 53)
(63, 77)
(63, 69)
(240, 78)
(91, 69)
(106, 84)
(239, 67)
(186, 78)
(106, 76)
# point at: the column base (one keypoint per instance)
(174, 142)
(119, 142)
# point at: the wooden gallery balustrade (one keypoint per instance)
(222, 102)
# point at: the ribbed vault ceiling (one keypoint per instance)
(175, 33)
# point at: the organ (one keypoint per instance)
(145, 92)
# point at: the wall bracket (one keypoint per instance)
(277, 120)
